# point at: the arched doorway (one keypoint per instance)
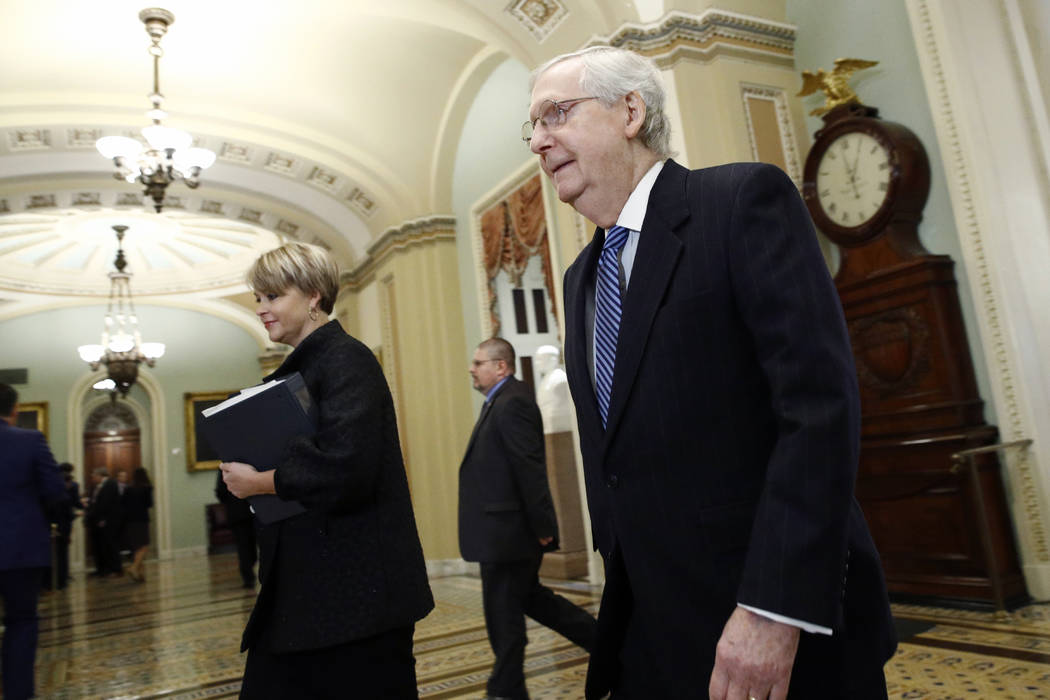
(112, 439)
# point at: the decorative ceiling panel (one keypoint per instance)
(67, 251)
(540, 17)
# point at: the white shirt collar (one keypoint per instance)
(633, 213)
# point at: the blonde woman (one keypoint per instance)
(344, 583)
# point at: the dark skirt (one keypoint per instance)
(377, 668)
(136, 534)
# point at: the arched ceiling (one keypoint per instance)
(333, 120)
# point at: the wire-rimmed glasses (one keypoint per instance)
(553, 114)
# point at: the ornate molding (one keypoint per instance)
(29, 139)
(58, 200)
(114, 416)
(784, 127)
(712, 33)
(391, 358)
(539, 17)
(876, 342)
(411, 233)
(963, 183)
(338, 185)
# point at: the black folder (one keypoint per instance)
(254, 427)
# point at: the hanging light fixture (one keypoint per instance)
(122, 348)
(167, 156)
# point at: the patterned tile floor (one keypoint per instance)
(176, 637)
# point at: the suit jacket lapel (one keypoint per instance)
(486, 409)
(576, 362)
(658, 252)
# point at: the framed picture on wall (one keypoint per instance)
(33, 415)
(199, 454)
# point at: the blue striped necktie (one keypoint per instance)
(607, 312)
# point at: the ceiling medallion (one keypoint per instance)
(540, 17)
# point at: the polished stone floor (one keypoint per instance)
(177, 635)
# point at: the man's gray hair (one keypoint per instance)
(610, 73)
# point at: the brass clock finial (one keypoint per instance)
(834, 84)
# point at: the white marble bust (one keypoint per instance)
(552, 390)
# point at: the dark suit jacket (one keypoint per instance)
(351, 567)
(30, 482)
(106, 505)
(726, 473)
(505, 503)
(136, 502)
(64, 512)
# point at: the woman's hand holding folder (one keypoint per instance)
(243, 480)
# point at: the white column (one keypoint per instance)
(984, 86)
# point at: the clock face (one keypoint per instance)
(853, 179)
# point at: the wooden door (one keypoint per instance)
(116, 450)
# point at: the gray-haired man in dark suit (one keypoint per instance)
(718, 410)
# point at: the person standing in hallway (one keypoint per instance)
(717, 406)
(30, 482)
(103, 519)
(239, 518)
(344, 583)
(507, 519)
(137, 501)
(63, 515)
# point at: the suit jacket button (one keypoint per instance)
(613, 481)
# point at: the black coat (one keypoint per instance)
(727, 470)
(505, 503)
(106, 506)
(30, 482)
(63, 513)
(137, 501)
(352, 566)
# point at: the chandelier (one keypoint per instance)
(167, 155)
(122, 348)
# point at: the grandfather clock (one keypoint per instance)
(866, 182)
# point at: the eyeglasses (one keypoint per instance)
(553, 114)
(478, 363)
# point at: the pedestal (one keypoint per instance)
(570, 561)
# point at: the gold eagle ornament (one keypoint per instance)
(834, 84)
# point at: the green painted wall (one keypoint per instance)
(204, 353)
(490, 149)
(881, 31)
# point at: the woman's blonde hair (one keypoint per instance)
(306, 267)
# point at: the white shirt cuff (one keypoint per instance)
(804, 626)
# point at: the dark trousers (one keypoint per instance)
(19, 589)
(61, 561)
(510, 591)
(247, 554)
(105, 550)
(377, 668)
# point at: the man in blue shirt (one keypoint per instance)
(507, 519)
